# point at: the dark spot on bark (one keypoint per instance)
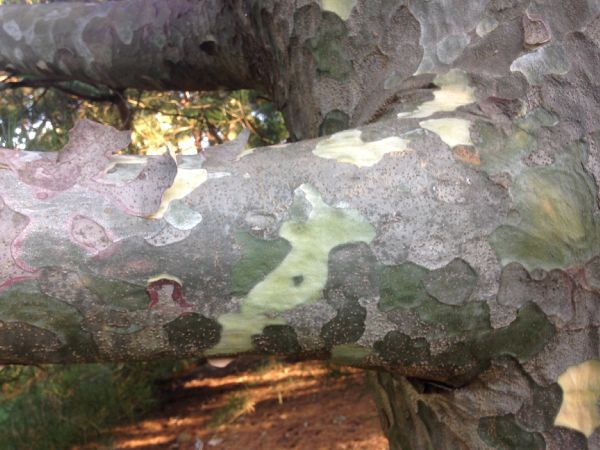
(192, 332)
(277, 339)
(298, 279)
(209, 47)
(347, 326)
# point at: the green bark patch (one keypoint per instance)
(559, 227)
(277, 340)
(259, 258)
(314, 229)
(25, 304)
(521, 339)
(191, 333)
(329, 48)
(333, 122)
(402, 286)
(452, 284)
(116, 294)
(472, 317)
(439, 297)
(500, 152)
(503, 433)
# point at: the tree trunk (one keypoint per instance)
(450, 237)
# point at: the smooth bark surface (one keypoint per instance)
(452, 239)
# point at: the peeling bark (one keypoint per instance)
(447, 231)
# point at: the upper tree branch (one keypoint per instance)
(145, 44)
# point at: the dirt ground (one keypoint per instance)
(293, 406)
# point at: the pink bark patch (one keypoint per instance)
(154, 288)
(12, 225)
(142, 195)
(89, 234)
(86, 154)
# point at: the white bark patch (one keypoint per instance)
(486, 26)
(181, 216)
(343, 8)
(451, 47)
(454, 92)
(185, 182)
(451, 131)
(13, 30)
(549, 59)
(581, 389)
(18, 54)
(440, 19)
(348, 147)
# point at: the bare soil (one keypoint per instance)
(293, 406)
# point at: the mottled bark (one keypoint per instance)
(454, 242)
(146, 44)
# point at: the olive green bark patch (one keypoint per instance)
(558, 227)
(346, 327)
(191, 333)
(402, 286)
(116, 294)
(503, 433)
(333, 122)
(329, 50)
(521, 339)
(451, 284)
(277, 340)
(457, 321)
(259, 258)
(504, 152)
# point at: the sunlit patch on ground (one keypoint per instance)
(300, 406)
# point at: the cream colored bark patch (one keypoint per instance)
(300, 277)
(185, 182)
(343, 8)
(454, 92)
(348, 147)
(164, 276)
(581, 389)
(452, 131)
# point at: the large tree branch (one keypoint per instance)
(388, 260)
(146, 44)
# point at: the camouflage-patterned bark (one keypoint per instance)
(453, 242)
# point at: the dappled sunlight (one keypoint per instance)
(304, 405)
